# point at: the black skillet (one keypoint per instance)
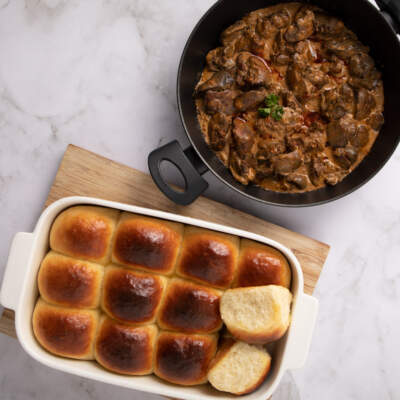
(375, 28)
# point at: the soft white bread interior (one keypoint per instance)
(239, 368)
(256, 315)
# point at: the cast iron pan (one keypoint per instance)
(375, 28)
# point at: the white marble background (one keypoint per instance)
(101, 74)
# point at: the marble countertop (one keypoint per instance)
(101, 75)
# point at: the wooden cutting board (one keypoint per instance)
(84, 173)
(87, 174)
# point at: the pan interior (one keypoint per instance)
(359, 16)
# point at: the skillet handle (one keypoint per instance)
(190, 166)
(391, 11)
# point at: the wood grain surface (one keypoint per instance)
(87, 174)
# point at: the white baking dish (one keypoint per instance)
(19, 292)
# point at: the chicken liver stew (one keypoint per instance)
(291, 101)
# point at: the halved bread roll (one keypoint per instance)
(239, 368)
(256, 315)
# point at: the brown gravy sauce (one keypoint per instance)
(327, 84)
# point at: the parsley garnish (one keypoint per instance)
(277, 113)
(272, 108)
(264, 112)
(272, 100)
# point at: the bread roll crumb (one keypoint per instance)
(256, 315)
(238, 367)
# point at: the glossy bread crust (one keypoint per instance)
(261, 265)
(130, 296)
(125, 349)
(147, 243)
(148, 274)
(224, 345)
(84, 232)
(190, 308)
(66, 332)
(208, 257)
(184, 359)
(258, 383)
(66, 281)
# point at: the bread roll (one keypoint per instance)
(130, 296)
(239, 368)
(184, 359)
(190, 308)
(258, 314)
(67, 332)
(125, 349)
(208, 257)
(84, 232)
(146, 243)
(69, 282)
(261, 265)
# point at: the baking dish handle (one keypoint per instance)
(17, 262)
(302, 328)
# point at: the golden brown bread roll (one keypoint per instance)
(69, 282)
(238, 367)
(190, 308)
(189, 311)
(84, 232)
(184, 359)
(130, 296)
(146, 243)
(125, 349)
(67, 332)
(208, 257)
(258, 314)
(261, 265)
